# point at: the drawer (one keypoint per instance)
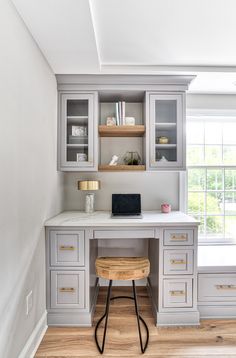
(124, 234)
(67, 289)
(216, 287)
(177, 293)
(67, 248)
(178, 262)
(178, 237)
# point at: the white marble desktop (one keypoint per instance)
(103, 218)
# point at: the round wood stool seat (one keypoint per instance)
(122, 268)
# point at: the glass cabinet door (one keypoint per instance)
(77, 125)
(166, 131)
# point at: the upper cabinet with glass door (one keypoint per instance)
(165, 131)
(77, 130)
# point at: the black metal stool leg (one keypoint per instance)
(106, 314)
(139, 318)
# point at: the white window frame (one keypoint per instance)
(183, 185)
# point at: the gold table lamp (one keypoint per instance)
(89, 185)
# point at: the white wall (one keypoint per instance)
(211, 101)
(155, 188)
(30, 187)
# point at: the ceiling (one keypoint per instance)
(138, 36)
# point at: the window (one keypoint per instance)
(211, 176)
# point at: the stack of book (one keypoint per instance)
(120, 113)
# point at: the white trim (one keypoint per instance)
(205, 114)
(92, 12)
(142, 67)
(183, 191)
(35, 338)
(210, 113)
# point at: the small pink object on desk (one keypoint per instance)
(165, 208)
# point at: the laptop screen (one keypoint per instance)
(126, 204)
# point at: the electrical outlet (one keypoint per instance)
(29, 302)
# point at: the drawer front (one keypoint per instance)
(67, 248)
(178, 237)
(67, 289)
(124, 234)
(216, 287)
(177, 293)
(178, 262)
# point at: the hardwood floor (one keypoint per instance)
(212, 339)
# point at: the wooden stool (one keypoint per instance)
(122, 268)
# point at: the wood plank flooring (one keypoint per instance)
(214, 338)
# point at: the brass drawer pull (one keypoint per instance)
(226, 287)
(177, 293)
(178, 262)
(179, 237)
(67, 289)
(65, 247)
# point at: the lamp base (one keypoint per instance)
(89, 203)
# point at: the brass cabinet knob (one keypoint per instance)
(67, 247)
(177, 293)
(67, 289)
(226, 287)
(178, 262)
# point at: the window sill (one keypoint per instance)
(215, 242)
(219, 258)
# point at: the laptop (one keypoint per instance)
(126, 206)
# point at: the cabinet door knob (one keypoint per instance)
(226, 287)
(67, 289)
(67, 247)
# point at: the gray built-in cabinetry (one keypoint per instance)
(71, 252)
(156, 102)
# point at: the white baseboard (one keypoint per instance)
(35, 338)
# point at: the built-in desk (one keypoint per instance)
(72, 247)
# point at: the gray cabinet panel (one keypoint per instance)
(178, 262)
(67, 289)
(177, 293)
(178, 237)
(77, 148)
(217, 287)
(67, 248)
(165, 114)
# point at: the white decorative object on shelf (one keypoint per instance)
(79, 131)
(163, 159)
(111, 121)
(81, 157)
(129, 121)
(114, 160)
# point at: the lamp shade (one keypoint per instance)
(89, 185)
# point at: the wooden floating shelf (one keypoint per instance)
(121, 131)
(117, 168)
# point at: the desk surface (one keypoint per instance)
(103, 218)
